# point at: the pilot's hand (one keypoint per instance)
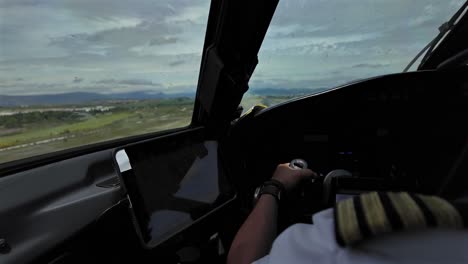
(290, 177)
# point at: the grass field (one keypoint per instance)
(126, 119)
(41, 131)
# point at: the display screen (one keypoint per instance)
(171, 183)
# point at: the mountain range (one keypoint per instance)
(83, 97)
(89, 97)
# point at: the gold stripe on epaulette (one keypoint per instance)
(409, 212)
(445, 214)
(375, 213)
(348, 227)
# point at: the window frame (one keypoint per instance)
(15, 166)
(222, 82)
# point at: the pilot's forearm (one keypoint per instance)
(256, 235)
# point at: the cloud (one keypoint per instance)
(135, 82)
(162, 41)
(117, 45)
(107, 81)
(117, 40)
(132, 43)
(296, 31)
(428, 15)
(176, 63)
(312, 83)
(370, 65)
(138, 82)
(77, 80)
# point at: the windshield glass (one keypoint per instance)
(315, 45)
(77, 72)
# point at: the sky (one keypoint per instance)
(112, 46)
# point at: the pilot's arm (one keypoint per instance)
(255, 237)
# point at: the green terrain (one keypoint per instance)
(34, 130)
(37, 130)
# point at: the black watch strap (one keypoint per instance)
(271, 187)
(271, 190)
(277, 184)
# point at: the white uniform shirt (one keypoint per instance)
(303, 243)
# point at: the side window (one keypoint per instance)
(315, 45)
(78, 72)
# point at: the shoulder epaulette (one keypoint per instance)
(376, 213)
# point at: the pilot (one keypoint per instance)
(370, 228)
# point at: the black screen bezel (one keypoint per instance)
(136, 207)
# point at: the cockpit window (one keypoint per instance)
(315, 45)
(76, 72)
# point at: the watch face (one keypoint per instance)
(256, 195)
(267, 188)
(257, 192)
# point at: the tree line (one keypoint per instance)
(20, 120)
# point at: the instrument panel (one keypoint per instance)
(399, 128)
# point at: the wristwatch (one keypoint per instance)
(271, 187)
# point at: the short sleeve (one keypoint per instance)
(305, 243)
(264, 260)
